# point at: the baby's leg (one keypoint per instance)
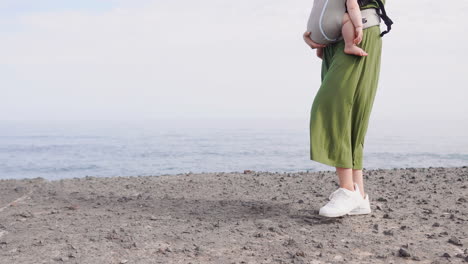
(348, 31)
(320, 52)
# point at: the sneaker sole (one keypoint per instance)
(354, 212)
(333, 215)
(330, 215)
(360, 211)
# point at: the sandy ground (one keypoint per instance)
(419, 216)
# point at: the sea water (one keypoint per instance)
(66, 149)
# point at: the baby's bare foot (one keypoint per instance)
(354, 50)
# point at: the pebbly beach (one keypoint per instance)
(419, 215)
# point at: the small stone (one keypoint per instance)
(416, 258)
(446, 255)
(258, 235)
(124, 199)
(381, 199)
(300, 201)
(72, 207)
(443, 233)
(59, 259)
(25, 214)
(19, 189)
(403, 253)
(427, 211)
(290, 242)
(455, 241)
(38, 243)
(461, 200)
(436, 225)
(388, 232)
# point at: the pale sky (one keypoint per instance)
(106, 59)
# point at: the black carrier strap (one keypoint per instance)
(381, 11)
(384, 17)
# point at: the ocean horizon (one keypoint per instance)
(67, 149)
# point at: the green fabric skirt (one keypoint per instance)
(342, 106)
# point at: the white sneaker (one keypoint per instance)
(363, 208)
(342, 202)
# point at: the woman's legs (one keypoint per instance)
(357, 178)
(347, 177)
(340, 116)
(345, 200)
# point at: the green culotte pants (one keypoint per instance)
(342, 106)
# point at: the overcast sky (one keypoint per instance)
(110, 59)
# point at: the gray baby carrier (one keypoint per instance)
(326, 17)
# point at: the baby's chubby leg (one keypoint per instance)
(348, 32)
